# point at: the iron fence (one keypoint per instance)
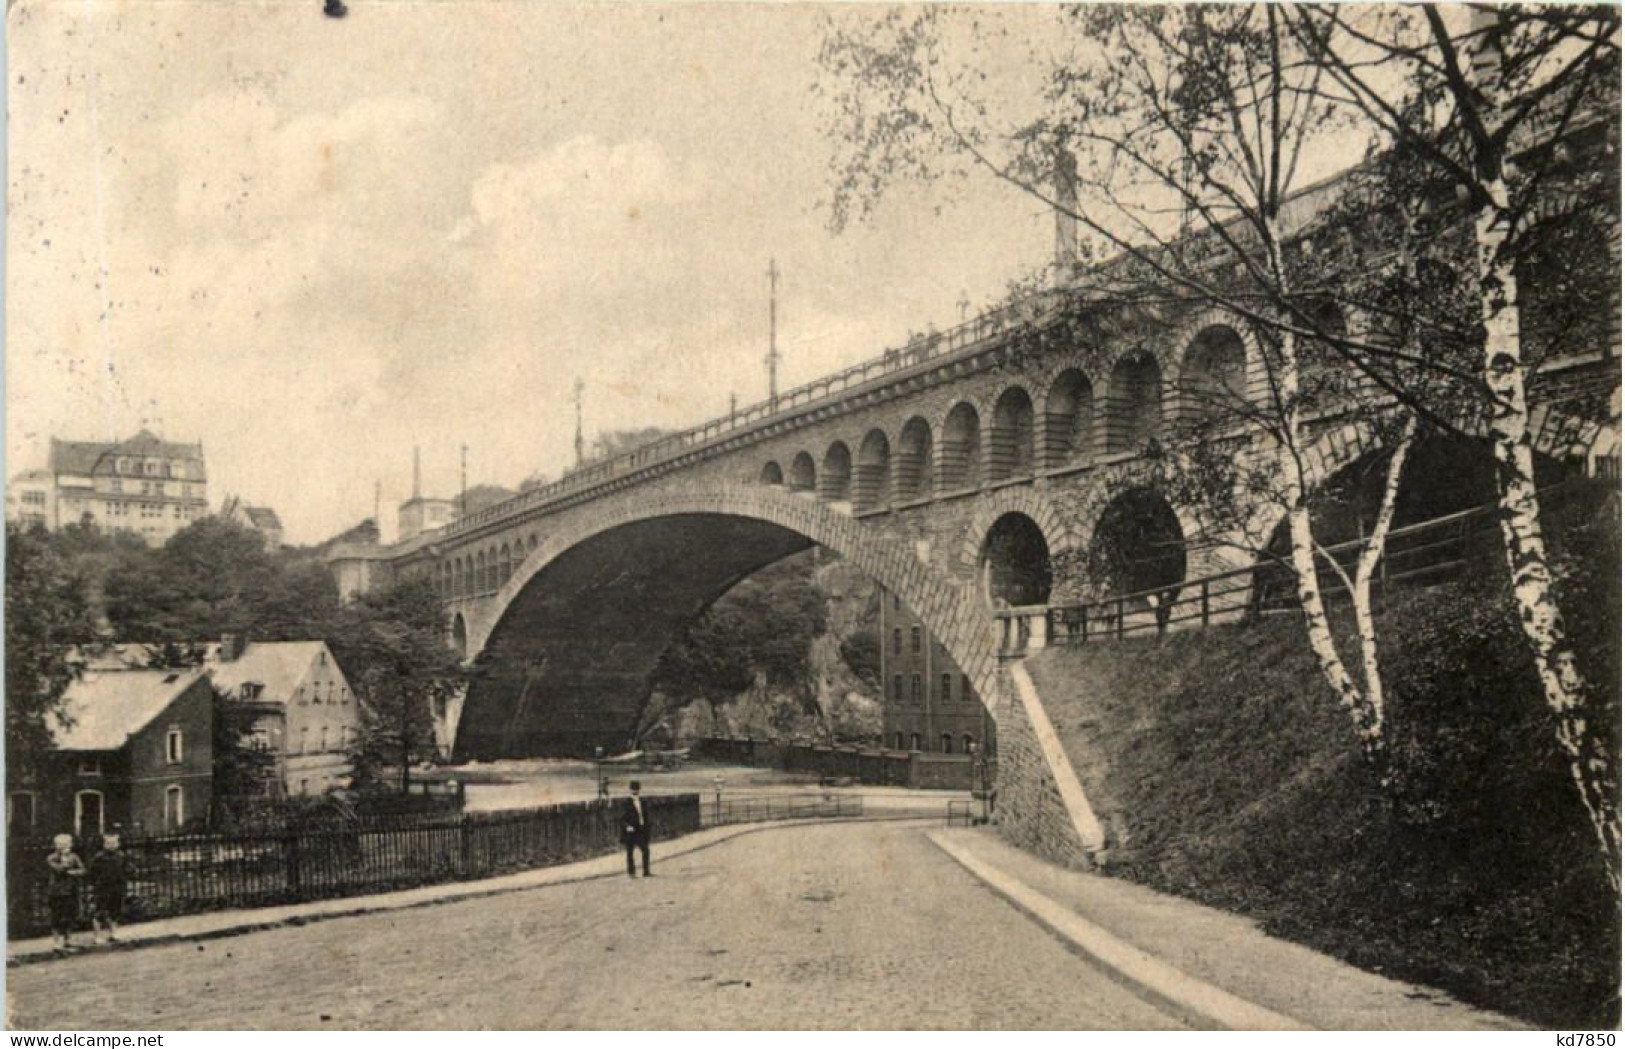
(733, 808)
(1424, 553)
(188, 874)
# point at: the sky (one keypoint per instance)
(314, 244)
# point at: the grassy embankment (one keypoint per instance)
(1229, 775)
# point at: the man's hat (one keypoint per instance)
(635, 785)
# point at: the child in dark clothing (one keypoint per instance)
(108, 874)
(67, 870)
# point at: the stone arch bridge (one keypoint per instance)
(960, 472)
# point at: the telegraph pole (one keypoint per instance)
(581, 444)
(772, 330)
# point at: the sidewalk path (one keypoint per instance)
(1216, 968)
(214, 924)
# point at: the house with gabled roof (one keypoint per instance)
(261, 519)
(304, 710)
(134, 754)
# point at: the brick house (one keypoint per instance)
(138, 757)
(303, 709)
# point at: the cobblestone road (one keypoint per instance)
(854, 926)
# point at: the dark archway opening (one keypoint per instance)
(1444, 518)
(871, 481)
(1015, 563)
(914, 460)
(1138, 547)
(959, 459)
(835, 480)
(803, 473)
(1011, 446)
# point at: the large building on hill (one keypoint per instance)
(144, 485)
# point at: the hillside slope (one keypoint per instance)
(1227, 773)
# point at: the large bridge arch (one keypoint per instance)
(565, 647)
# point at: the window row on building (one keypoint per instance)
(945, 688)
(946, 743)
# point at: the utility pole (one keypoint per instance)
(772, 330)
(581, 443)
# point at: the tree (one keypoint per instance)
(215, 577)
(1485, 103)
(392, 645)
(208, 579)
(46, 616)
(1176, 138)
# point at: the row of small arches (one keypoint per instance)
(1072, 424)
(482, 571)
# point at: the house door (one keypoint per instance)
(174, 809)
(87, 813)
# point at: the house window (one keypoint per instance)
(914, 639)
(321, 657)
(947, 743)
(304, 741)
(316, 693)
(90, 766)
(87, 813)
(897, 688)
(947, 688)
(20, 811)
(964, 687)
(324, 739)
(344, 694)
(174, 807)
(174, 747)
(899, 741)
(299, 693)
(250, 690)
(914, 689)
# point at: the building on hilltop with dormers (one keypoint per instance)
(144, 485)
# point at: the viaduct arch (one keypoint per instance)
(564, 650)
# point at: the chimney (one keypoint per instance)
(1065, 188)
(231, 646)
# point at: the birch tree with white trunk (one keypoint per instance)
(1468, 91)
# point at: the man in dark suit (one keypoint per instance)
(635, 829)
